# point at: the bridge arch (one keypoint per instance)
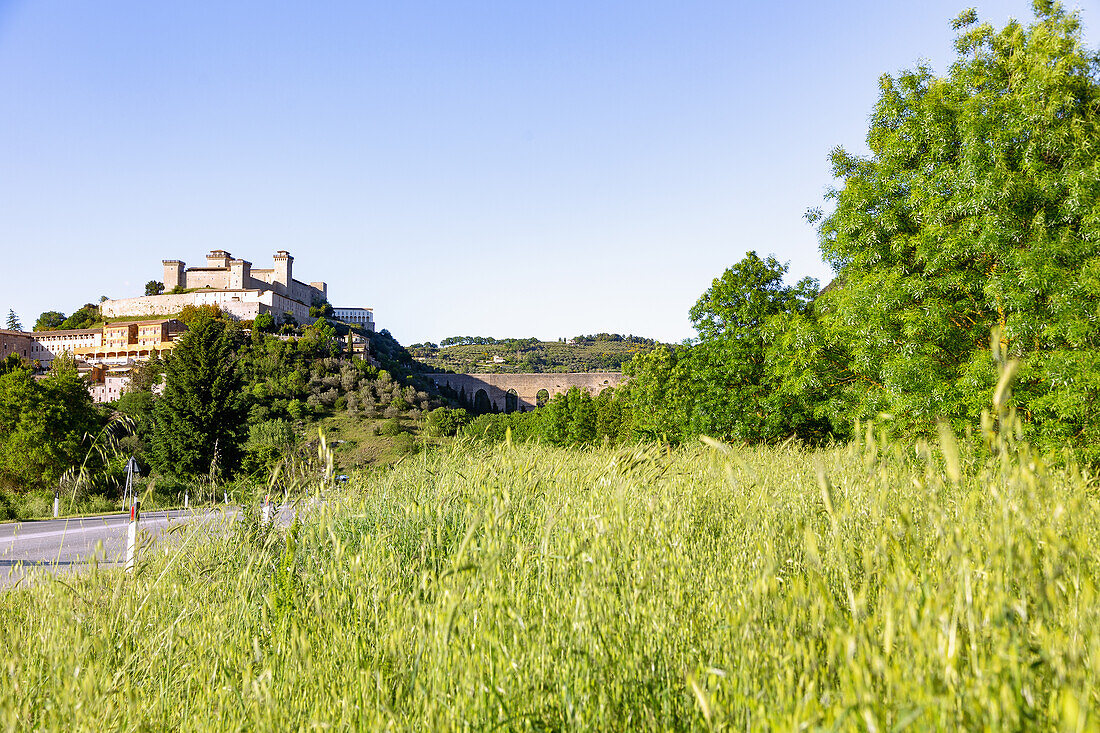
(481, 402)
(528, 389)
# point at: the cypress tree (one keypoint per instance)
(202, 413)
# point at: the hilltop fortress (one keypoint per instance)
(241, 291)
(137, 328)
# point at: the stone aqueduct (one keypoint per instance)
(523, 388)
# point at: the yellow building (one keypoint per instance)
(132, 341)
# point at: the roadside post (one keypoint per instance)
(131, 470)
(186, 498)
(267, 509)
(132, 535)
(56, 503)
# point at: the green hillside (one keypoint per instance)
(474, 355)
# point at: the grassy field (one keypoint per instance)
(874, 586)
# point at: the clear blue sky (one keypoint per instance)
(465, 168)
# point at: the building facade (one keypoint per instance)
(363, 317)
(16, 342)
(104, 355)
(127, 343)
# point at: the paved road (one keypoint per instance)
(66, 545)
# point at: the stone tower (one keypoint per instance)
(240, 273)
(284, 269)
(218, 258)
(174, 274)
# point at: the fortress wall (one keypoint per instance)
(207, 279)
(242, 305)
(305, 293)
(280, 304)
(168, 304)
(241, 311)
(146, 305)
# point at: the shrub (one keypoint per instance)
(445, 421)
(392, 427)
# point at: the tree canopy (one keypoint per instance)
(978, 207)
(43, 423)
(200, 419)
(49, 321)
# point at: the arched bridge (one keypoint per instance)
(509, 392)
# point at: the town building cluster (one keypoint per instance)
(104, 355)
(136, 328)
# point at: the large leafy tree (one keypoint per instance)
(727, 383)
(86, 317)
(49, 320)
(732, 392)
(978, 206)
(200, 419)
(44, 424)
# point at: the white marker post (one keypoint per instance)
(56, 504)
(131, 536)
(131, 471)
(267, 509)
(186, 498)
(225, 496)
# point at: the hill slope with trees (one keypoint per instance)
(604, 352)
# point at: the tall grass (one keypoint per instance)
(521, 587)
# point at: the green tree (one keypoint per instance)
(321, 309)
(582, 422)
(190, 312)
(978, 206)
(659, 392)
(49, 321)
(146, 375)
(732, 393)
(11, 363)
(264, 323)
(13, 322)
(445, 421)
(199, 421)
(86, 317)
(268, 443)
(154, 287)
(43, 424)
